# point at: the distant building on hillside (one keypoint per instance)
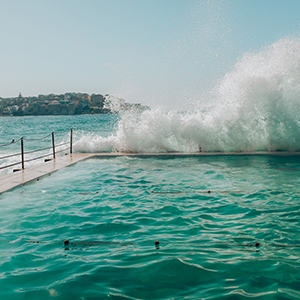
(63, 104)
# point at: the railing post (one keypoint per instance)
(71, 141)
(22, 152)
(53, 145)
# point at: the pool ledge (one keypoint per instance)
(10, 181)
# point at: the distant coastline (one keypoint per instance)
(62, 104)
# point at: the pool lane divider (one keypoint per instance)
(201, 192)
(68, 243)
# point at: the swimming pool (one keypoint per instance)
(113, 210)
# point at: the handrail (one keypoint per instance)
(8, 156)
(53, 144)
(10, 143)
(32, 159)
(95, 130)
(23, 153)
(42, 138)
(10, 165)
(71, 141)
(59, 145)
(62, 150)
(33, 151)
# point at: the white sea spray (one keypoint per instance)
(255, 107)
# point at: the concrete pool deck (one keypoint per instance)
(12, 180)
(21, 177)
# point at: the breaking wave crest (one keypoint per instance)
(255, 107)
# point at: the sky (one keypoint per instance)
(156, 52)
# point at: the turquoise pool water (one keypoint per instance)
(113, 210)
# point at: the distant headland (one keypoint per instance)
(63, 104)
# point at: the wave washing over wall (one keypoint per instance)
(256, 107)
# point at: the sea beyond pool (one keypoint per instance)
(206, 214)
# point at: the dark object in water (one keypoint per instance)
(88, 193)
(257, 244)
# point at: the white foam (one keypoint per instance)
(255, 107)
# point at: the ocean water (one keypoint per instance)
(206, 212)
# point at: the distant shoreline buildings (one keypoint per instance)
(63, 104)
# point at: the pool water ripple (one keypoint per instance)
(113, 210)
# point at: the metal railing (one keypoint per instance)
(22, 153)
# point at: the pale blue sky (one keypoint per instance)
(149, 51)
